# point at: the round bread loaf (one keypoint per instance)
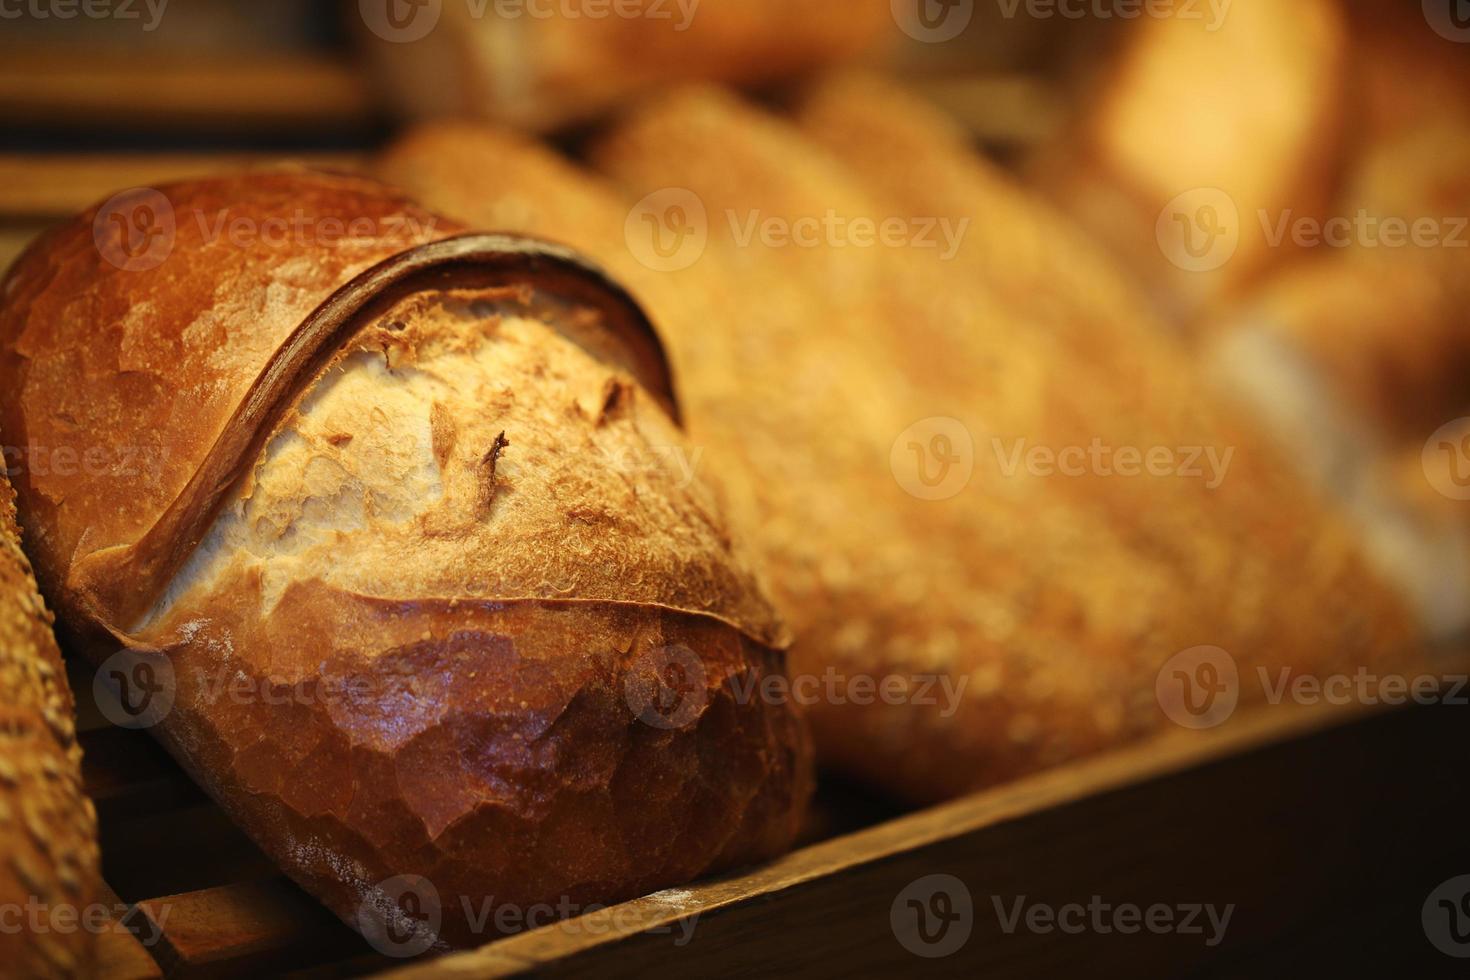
(48, 828)
(404, 567)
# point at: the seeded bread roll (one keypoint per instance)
(48, 828)
(1048, 604)
(424, 600)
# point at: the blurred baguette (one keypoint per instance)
(539, 66)
(1050, 603)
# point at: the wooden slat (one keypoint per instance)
(39, 187)
(120, 955)
(121, 91)
(242, 929)
(1292, 833)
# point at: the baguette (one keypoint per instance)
(1133, 569)
(1049, 604)
(542, 66)
(49, 878)
(436, 609)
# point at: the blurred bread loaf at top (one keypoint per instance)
(1202, 128)
(542, 63)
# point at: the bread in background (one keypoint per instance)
(539, 67)
(1054, 602)
(1203, 134)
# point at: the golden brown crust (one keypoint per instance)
(1124, 572)
(122, 373)
(48, 830)
(413, 622)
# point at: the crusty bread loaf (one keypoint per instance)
(1053, 601)
(1201, 136)
(434, 594)
(1133, 569)
(542, 67)
(48, 829)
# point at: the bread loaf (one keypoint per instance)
(48, 828)
(1203, 135)
(1048, 603)
(412, 548)
(541, 65)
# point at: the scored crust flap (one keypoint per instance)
(118, 584)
